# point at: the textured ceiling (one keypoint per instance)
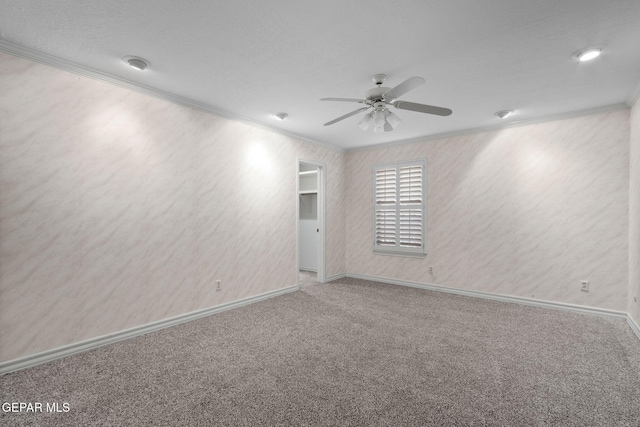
(251, 59)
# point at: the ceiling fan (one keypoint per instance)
(380, 98)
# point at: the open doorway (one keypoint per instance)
(310, 223)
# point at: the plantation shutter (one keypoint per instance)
(386, 200)
(399, 208)
(411, 206)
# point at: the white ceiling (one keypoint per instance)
(251, 58)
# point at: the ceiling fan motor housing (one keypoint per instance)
(375, 95)
(380, 105)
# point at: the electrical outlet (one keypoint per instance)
(584, 286)
(430, 270)
(218, 285)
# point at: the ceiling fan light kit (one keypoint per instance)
(378, 118)
(380, 99)
(393, 119)
(366, 121)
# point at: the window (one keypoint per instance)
(399, 212)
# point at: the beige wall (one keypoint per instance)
(528, 210)
(634, 217)
(118, 209)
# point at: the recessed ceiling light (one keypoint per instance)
(588, 54)
(280, 116)
(136, 63)
(504, 113)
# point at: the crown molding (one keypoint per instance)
(82, 70)
(491, 128)
(63, 64)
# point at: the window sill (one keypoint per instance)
(401, 254)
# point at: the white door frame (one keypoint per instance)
(322, 169)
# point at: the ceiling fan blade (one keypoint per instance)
(404, 87)
(353, 113)
(343, 99)
(422, 108)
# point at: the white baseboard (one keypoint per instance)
(497, 297)
(634, 326)
(90, 344)
(335, 277)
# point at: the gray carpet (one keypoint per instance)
(306, 278)
(351, 353)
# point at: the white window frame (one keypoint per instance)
(397, 248)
